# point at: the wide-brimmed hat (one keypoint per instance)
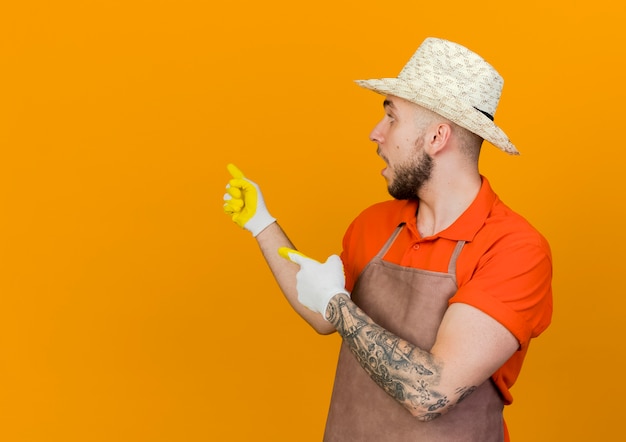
(454, 82)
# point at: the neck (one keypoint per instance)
(444, 199)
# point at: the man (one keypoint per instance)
(444, 286)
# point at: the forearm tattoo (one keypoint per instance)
(407, 373)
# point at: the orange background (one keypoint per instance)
(132, 309)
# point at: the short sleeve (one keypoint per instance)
(512, 284)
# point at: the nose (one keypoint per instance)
(376, 134)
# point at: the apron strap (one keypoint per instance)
(453, 259)
(390, 241)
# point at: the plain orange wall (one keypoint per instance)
(132, 309)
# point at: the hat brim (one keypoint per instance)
(448, 106)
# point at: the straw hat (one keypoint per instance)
(454, 82)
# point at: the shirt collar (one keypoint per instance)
(468, 224)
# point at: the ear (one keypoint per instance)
(439, 137)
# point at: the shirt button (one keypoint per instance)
(416, 246)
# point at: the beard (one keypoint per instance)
(409, 178)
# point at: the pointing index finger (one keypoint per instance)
(286, 251)
(234, 171)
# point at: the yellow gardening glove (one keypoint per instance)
(244, 202)
(316, 283)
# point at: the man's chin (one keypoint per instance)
(402, 194)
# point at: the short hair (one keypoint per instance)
(469, 142)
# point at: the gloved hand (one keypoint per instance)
(244, 202)
(317, 283)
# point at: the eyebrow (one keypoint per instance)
(388, 103)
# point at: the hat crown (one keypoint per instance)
(453, 69)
